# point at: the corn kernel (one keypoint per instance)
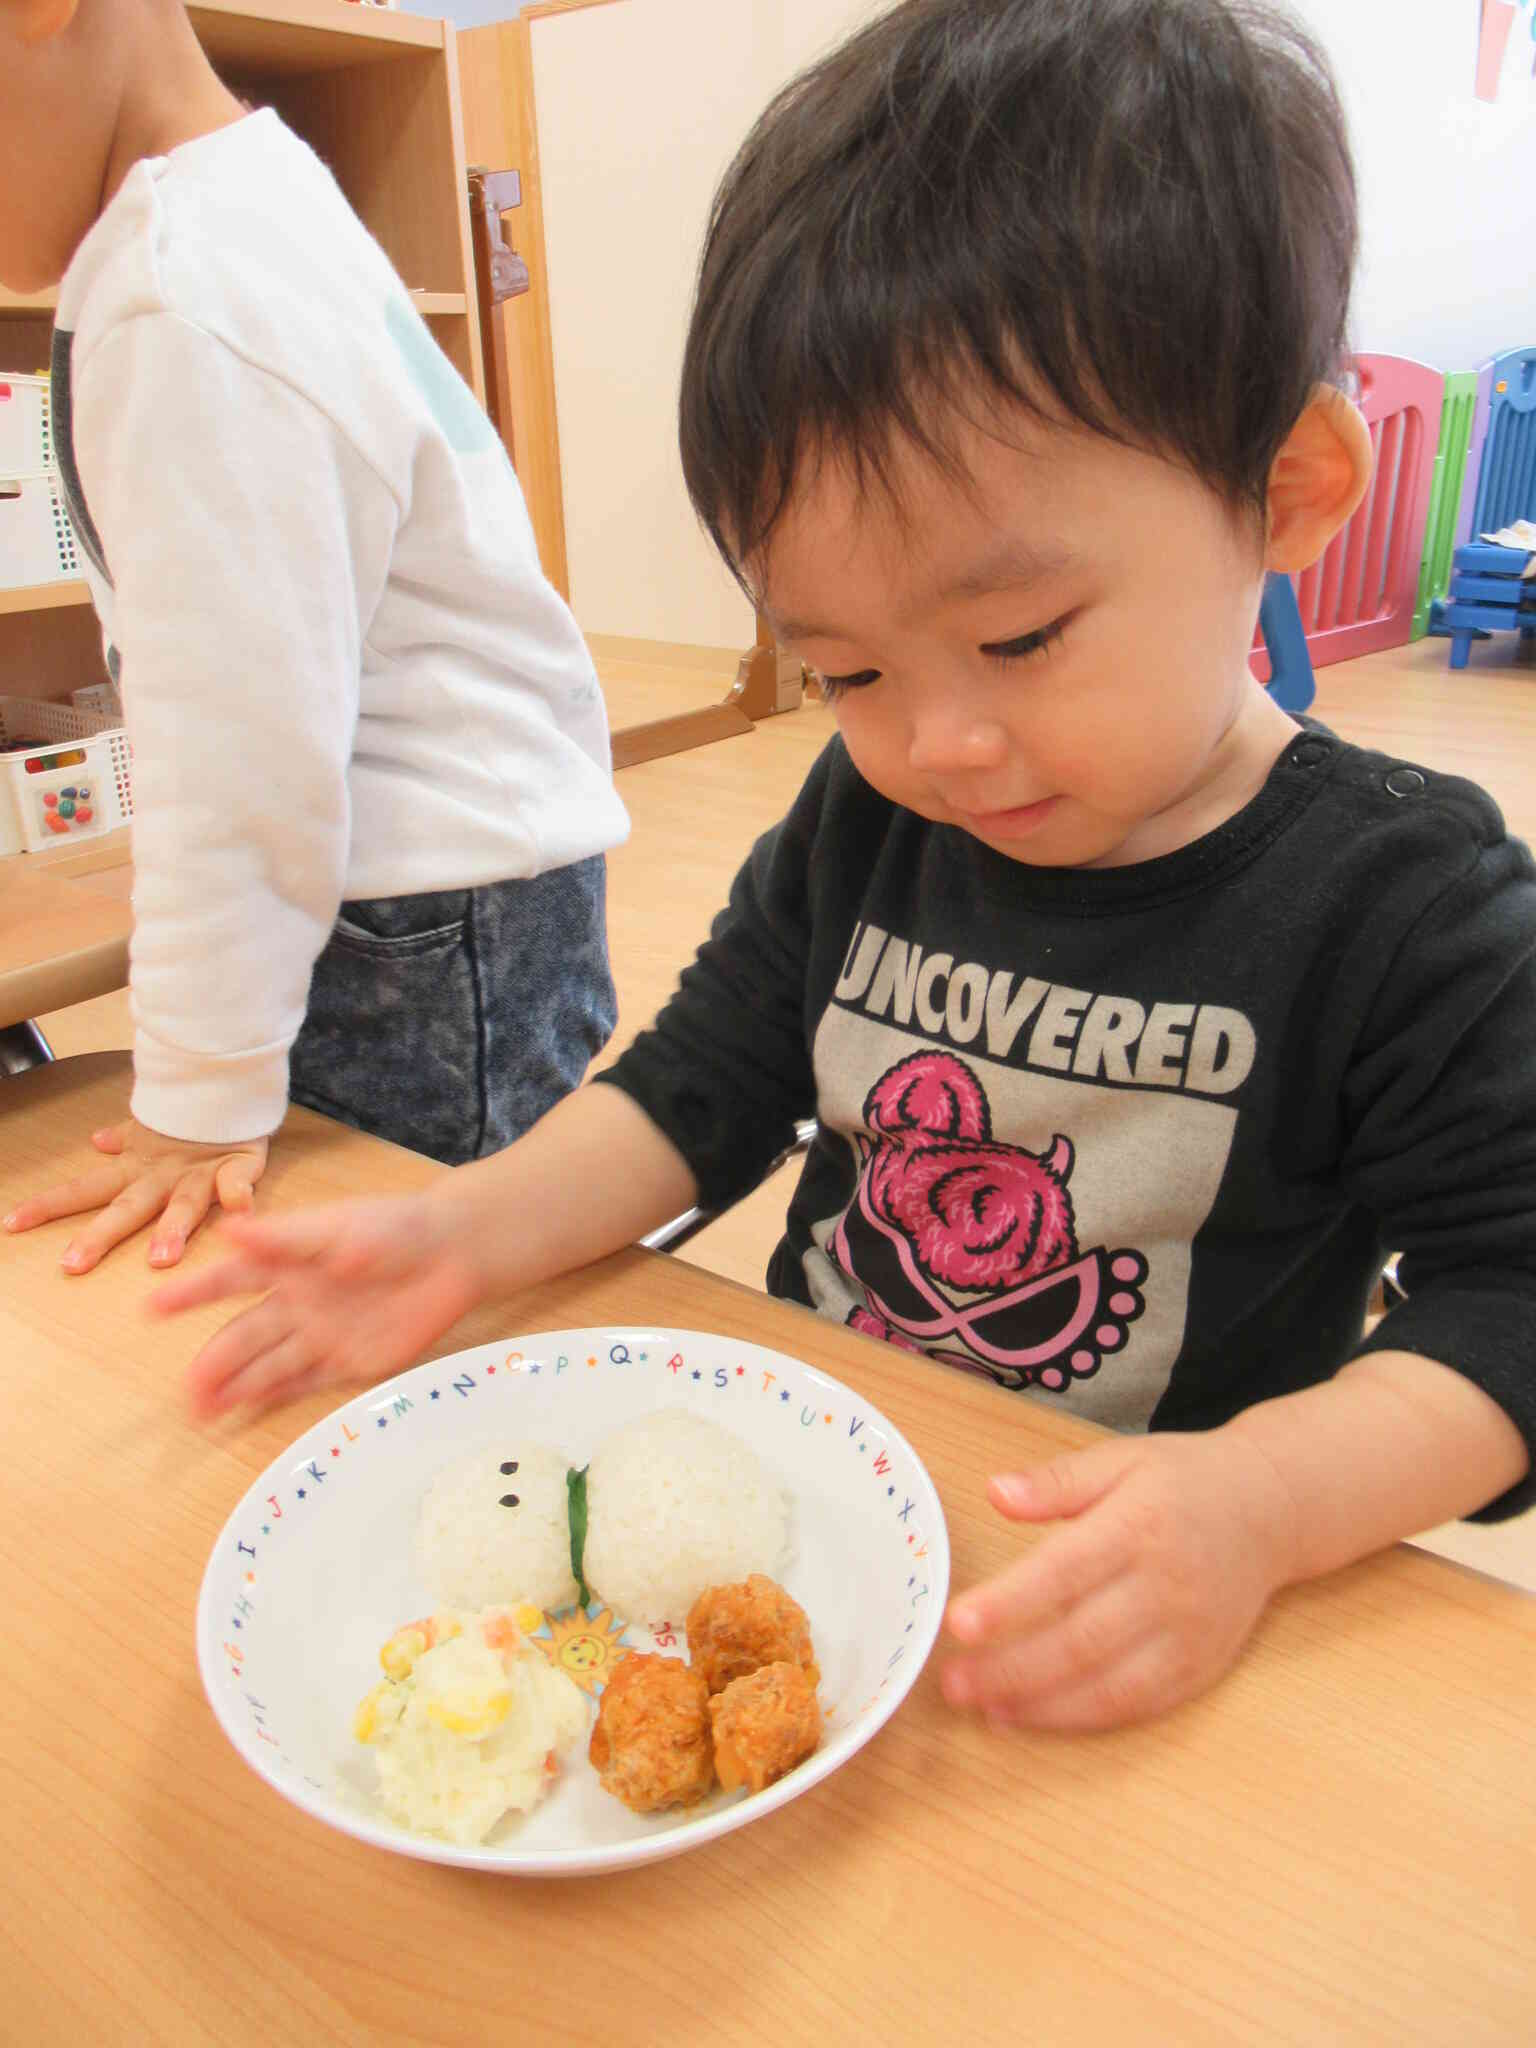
(365, 1722)
(399, 1654)
(476, 1717)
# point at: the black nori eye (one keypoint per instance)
(510, 1467)
(509, 1500)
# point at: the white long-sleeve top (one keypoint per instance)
(344, 673)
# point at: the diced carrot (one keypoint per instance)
(503, 1633)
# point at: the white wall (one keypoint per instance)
(464, 13)
(641, 105)
(1447, 181)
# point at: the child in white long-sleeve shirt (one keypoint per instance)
(371, 767)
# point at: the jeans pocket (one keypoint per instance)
(392, 1040)
(353, 939)
(392, 927)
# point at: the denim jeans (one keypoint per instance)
(451, 1020)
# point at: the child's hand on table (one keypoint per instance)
(1171, 1548)
(357, 1291)
(150, 1177)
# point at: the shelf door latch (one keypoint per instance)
(491, 195)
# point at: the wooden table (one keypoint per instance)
(65, 920)
(1338, 1845)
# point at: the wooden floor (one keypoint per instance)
(695, 815)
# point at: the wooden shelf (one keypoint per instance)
(289, 38)
(376, 94)
(110, 850)
(45, 597)
(38, 305)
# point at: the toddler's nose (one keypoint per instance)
(954, 738)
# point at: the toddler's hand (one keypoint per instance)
(1172, 1547)
(150, 1176)
(358, 1290)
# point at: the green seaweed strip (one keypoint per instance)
(576, 1504)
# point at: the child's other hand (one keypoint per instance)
(150, 1177)
(1172, 1546)
(358, 1290)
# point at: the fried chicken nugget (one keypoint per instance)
(735, 1630)
(651, 1744)
(764, 1724)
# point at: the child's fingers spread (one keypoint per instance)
(1021, 1670)
(1040, 1587)
(189, 1204)
(295, 1364)
(139, 1202)
(261, 1333)
(289, 1382)
(71, 1198)
(212, 1283)
(275, 1376)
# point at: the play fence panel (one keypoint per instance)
(1445, 494)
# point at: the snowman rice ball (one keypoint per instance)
(673, 1504)
(495, 1530)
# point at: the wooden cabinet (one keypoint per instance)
(376, 94)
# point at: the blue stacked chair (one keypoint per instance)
(1486, 593)
(1489, 593)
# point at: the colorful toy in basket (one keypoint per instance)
(64, 774)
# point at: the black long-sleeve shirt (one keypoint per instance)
(1136, 1139)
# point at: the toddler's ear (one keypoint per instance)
(1318, 478)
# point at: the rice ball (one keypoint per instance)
(675, 1504)
(495, 1531)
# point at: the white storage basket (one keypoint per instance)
(64, 775)
(37, 542)
(26, 426)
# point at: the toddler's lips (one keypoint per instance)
(1017, 823)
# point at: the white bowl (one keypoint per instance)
(317, 1566)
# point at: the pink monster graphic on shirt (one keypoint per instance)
(966, 1247)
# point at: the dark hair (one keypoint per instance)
(1138, 214)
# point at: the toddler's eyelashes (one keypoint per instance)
(1018, 649)
(832, 686)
